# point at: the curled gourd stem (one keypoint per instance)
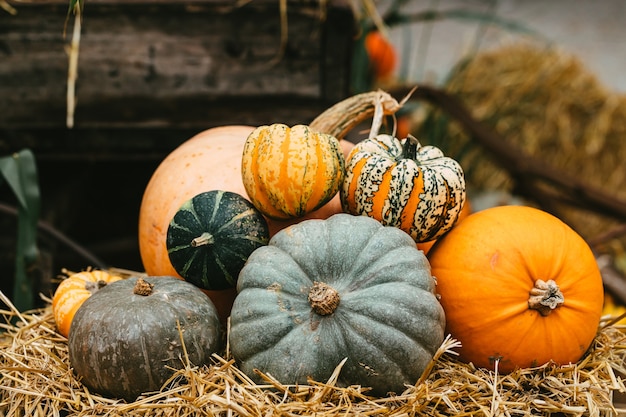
(205, 238)
(323, 298)
(342, 117)
(545, 297)
(377, 120)
(142, 287)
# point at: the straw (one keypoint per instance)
(36, 379)
(547, 102)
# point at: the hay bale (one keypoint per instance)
(36, 379)
(546, 102)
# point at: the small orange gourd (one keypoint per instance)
(72, 293)
(519, 287)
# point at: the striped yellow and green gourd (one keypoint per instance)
(291, 171)
(403, 184)
(211, 237)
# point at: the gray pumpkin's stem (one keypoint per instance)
(142, 287)
(205, 238)
(323, 298)
(545, 297)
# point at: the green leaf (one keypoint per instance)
(19, 171)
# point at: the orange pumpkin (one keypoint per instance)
(208, 161)
(521, 288)
(73, 291)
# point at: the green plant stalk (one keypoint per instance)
(20, 172)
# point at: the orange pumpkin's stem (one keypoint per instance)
(545, 297)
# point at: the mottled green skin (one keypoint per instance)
(237, 229)
(123, 344)
(388, 323)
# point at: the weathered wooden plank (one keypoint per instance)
(152, 73)
(140, 52)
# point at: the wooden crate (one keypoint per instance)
(151, 74)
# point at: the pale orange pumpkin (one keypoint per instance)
(519, 287)
(73, 291)
(208, 161)
(212, 160)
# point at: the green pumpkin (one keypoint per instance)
(344, 287)
(211, 236)
(129, 337)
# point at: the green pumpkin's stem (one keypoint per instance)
(410, 147)
(205, 238)
(323, 298)
(142, 287)
(344, 116)
(545, 297)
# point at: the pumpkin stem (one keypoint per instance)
(323, 298)
(344, 116)
(545, 297)
(142, 287)
(205, 238)
(410, 147)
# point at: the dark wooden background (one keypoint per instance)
(151, 75)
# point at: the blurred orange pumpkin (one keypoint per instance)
(382, 55)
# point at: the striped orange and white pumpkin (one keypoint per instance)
(291, 171)
(403, 184)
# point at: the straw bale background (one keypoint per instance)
(547, 102)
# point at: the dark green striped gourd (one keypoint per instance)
(211, 236)
(403, 184)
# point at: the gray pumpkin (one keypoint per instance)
(125, 339)
(344, 287)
